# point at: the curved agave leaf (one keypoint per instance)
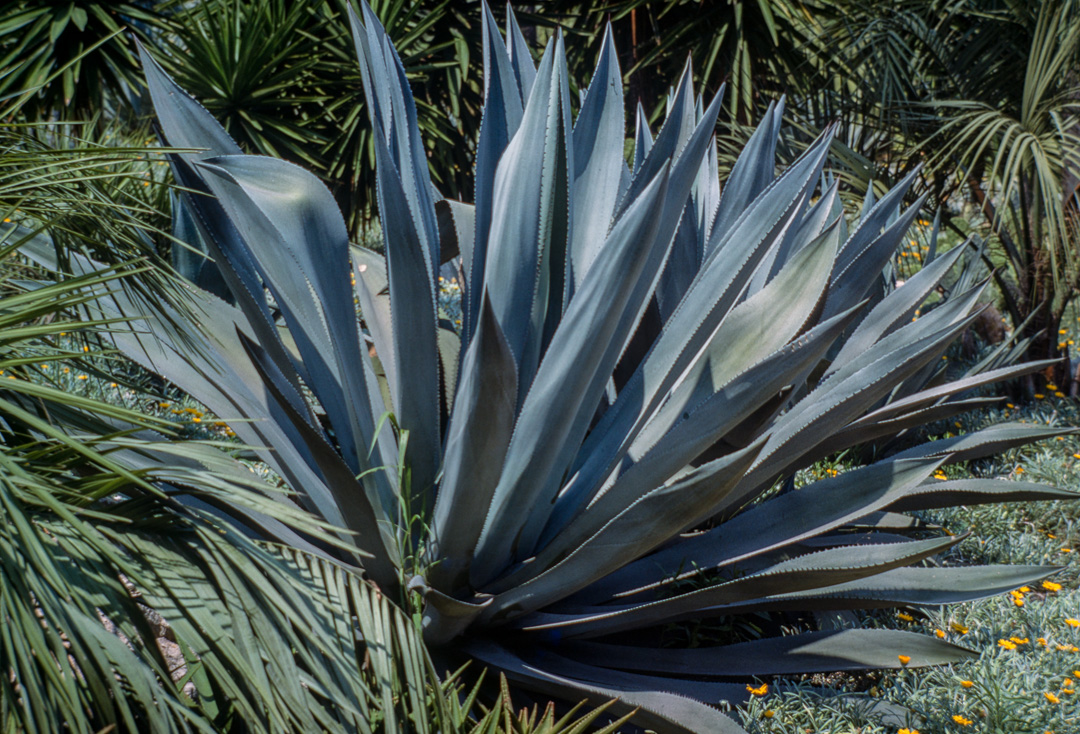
(853, 649)
(504, 103)
(598, 141)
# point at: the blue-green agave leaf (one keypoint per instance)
(927, 586)
(480, 427)
(826, 568)
(985, 442)
(568, 386)
(811, 652)
(521, 59)
(654, 708)
(954, 492)
(529, 226)
(897, 308)
(784, 519)
(375, 533)
(503, 108)
(599, 134)
(753, 171)
(642, 139)
(712, 294)
(415, 395)
(296, 221)
(392, 112)
(642, 526)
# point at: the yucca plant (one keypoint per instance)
(644, 360)
(83, 43)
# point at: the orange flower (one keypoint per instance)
(759, 691)
(1051, 586)
(962, 720)
(904, 659)
(1051, 697)
(967, 683)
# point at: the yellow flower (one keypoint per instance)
(908, 731)
(759, 691)
(1006, 644)
(1074, 623)
(86, 349)
(1018, 601)
(1041, 641)
(1039, 396)
(904, 659)
(1051, 586)
(962, 720)
(1059, 394)
(113, 384)
(940, 634)
(1019, 640)
(1066, 550)
(906, 617)
(957, 627)
(1019, 470)
(1076, 673)
(769, 713)
(967, 683)
(1067, 683)
(1068, 691)
(1051, 697)
(82, 377)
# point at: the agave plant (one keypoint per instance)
(644, 360)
